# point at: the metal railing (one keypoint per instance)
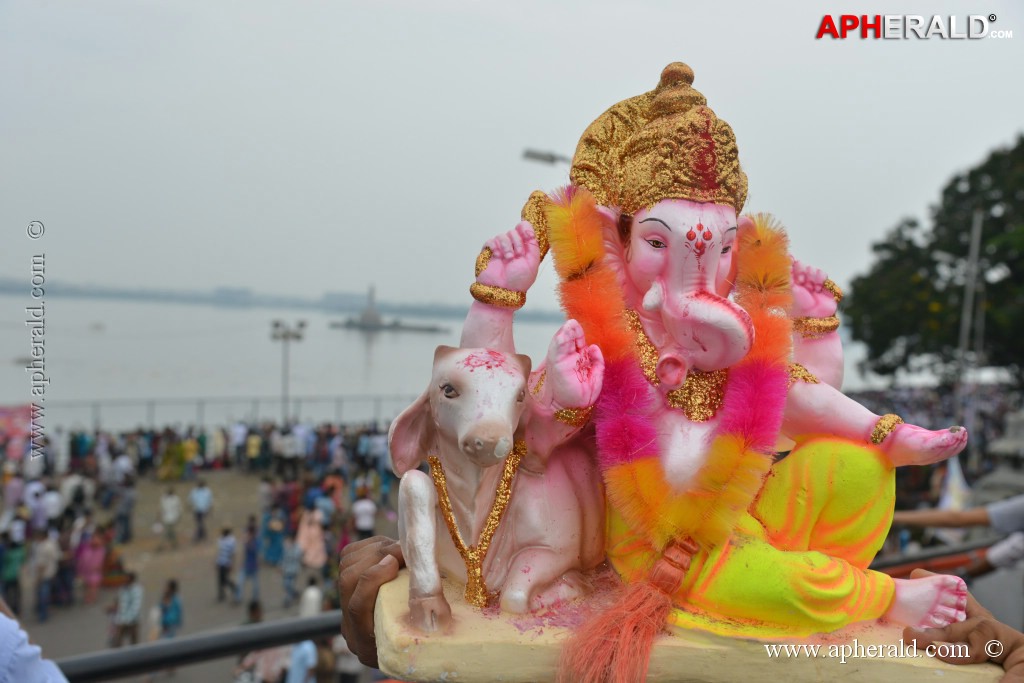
(208, 411)
(200, 647)
(930, 554)
(176, 652)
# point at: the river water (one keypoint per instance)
(152, 362)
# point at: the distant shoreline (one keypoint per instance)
(336, 302)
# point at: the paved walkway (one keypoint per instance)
(81, 628)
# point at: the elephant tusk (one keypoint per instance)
(654, 299)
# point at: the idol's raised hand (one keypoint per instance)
(510, 260)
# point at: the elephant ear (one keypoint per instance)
(615, 229)
(411, 435)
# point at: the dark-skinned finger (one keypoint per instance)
(953, 633)
(352, 567)
(975, 633)
(976, 642)
(974, 608)
(360, 546)
(357, 615)
(369, 553)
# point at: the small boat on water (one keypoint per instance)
(370, 320)
(381, 326)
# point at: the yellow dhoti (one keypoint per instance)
(797, 561)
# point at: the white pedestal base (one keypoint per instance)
(524, 649)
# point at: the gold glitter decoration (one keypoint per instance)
(645, 351)
(813, 328)
(701, 395)
(574, 417)
(884, 427)
(482, 259)
(798, 373)
(833, 289)
(474, 555)
(663, 144)
(540, 382)
(533, 211)
(497, 296)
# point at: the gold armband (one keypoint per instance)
(534, 213)
(884, 426)
(833, 289)
(813, 328)
(798, 373)
(482, 260)
(574, 417)
(497, 296)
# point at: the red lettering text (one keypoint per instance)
(876, 26)
(847, 23)
(827, 26)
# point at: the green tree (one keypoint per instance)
(906, 309)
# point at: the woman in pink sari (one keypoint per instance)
(90, 566)
(311, 538)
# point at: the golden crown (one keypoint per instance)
(663, 144)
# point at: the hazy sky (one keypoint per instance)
(299, 147)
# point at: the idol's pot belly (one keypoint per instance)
(685, 446)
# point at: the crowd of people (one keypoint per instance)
(936, 408)
(66, 518)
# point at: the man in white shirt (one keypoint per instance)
(53, 504)
(312, 599)
(123, 468)
(1005, 516)
(201, 499)
(239, 432)
(170, 515)
(33, 497)
(129, 609)
(364, 511)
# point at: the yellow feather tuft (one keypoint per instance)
(763, 265)
(574, 230)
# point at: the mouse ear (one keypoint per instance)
(526, 363)
(410, 436)
(442, 352)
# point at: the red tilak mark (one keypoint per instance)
(584, 368)
(692, 235)
(488, 359)
(707, 235)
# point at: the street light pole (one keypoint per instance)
(280, 331)
(546, 157)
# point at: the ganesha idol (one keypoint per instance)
(745, 495)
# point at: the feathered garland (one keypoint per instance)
(615, 645)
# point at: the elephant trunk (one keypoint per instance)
(704, 332)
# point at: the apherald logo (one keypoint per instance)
(905, 26)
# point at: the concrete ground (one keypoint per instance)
(83, 628)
